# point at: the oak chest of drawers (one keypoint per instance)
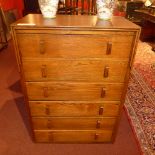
(74, 74)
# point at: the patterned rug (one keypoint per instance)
(140, 99)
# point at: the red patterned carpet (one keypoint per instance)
(140, 99)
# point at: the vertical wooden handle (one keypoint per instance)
(50, 136)
(42, 47)
(101, 110)
(106, 71)
(49, 123)
(98, 124)
(45, 92)
(109, 48)
(103, 92)
(47, 110)
(44, 71)
(96, 136)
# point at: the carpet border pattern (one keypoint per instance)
(146, 140)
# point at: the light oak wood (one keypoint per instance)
(74, 74)
(73, 108)
(74, 91)
(73, 123)
(61, 136)
(48, 46)
(75, 70)
(36, 21)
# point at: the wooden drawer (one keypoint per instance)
(74, 108)
(77, 70)
(68, 136)
(73, 123)
(74, 91)
(75, 45)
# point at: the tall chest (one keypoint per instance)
(74, 75)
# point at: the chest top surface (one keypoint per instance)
(74, 21)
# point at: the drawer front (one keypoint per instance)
(67, 123)
(77, 70)
(73, 136)
(73, 91)
(74, 46)
(71, 108)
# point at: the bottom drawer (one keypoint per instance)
(73, 123)
(66, 136)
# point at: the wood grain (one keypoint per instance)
(51, 46)
(73, 108)
(73, 123)
(73, 91)
(36, 21)
(74, 73)
(75, 70)
(59, 136)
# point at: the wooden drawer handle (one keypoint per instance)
(45, 92)
(47, 110)
(101, 109)
(98, 124)
(44, 71)
(103, 92)
(42, 47)
(96, 136)
(50, 136)
(106, 71)
(49, 124)
(109, 47)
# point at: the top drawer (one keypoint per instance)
(74, 45)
